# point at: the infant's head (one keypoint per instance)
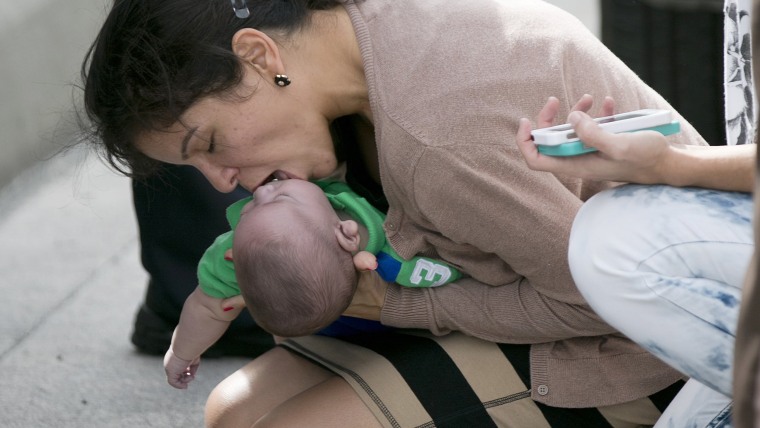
(293, 258)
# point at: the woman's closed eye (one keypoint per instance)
(212, 143)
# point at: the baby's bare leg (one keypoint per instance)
(261, 386)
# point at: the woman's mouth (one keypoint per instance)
(281, 175)
(275, 176)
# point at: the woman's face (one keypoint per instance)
(271, 134)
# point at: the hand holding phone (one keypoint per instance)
(561, 140)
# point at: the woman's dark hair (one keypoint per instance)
(154, 58)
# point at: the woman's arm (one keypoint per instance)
(507, 228)
(644, 157)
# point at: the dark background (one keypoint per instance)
(676, 46)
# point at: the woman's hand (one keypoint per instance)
(369, 297)
(639, 157)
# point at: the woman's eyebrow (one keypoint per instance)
(186, 141)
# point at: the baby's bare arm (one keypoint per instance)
(201, 324)
(203, 321)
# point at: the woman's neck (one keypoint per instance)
(355, 141)
(365, 139)
(331, 55)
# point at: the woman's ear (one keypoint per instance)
(256, 48)
(347, 233)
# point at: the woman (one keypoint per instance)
(421, 100)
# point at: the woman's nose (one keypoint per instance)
(224, 179)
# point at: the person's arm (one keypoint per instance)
(507, 227)
(449, 308)
(644, 157)
(202, 322)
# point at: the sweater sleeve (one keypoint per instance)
(499, 207)
(216, 276)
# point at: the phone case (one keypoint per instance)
(622, 122)
(577, 147)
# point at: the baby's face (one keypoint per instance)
(283, 205)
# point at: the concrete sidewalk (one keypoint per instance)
(72, 279)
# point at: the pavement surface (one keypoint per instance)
(72, 279)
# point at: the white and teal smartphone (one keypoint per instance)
(561, 140)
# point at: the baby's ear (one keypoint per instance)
(364, 260)
(347, 233)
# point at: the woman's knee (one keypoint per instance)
(629, 244)
(596, 252)
(332, 403)
(230, 405)
(259, 387)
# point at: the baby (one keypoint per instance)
(299, 248)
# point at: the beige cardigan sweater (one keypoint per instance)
(448, 81)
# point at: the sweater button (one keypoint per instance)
(392, 226)
(543, 389)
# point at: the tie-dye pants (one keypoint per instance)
(665, 266)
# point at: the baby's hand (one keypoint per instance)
(364, 260)
(179, 372)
